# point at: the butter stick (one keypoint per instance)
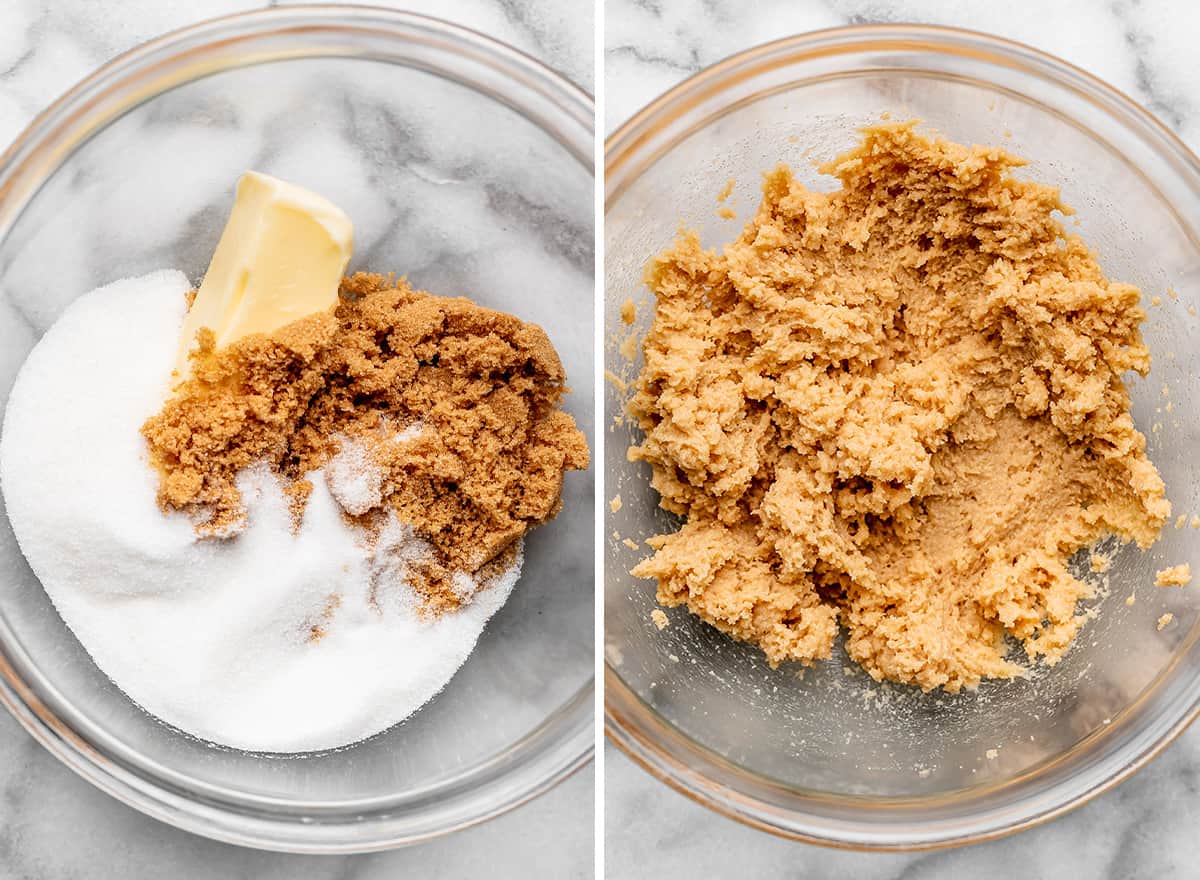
(281, 257)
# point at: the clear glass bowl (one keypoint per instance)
(463, 164)
(833, 757)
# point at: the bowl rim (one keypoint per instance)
(564, 741)
(630, 723)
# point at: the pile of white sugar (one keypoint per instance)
(215, 637)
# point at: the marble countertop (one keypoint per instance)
(55, 826)
(1147, 826)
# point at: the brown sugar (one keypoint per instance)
(456, 405)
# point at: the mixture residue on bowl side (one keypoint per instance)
(897, 407)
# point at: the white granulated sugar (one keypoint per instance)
(214, 637)
(354, 480)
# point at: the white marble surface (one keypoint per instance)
(1144, 828)
(1146, 49)
(52, 824)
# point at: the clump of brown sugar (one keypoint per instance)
(455, 404)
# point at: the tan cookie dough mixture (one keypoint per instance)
(897, 407)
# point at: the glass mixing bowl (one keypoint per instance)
(832, 757)
(463, 164)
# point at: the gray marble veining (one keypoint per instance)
(46, 47)
(1143, 48)
(1147, 826)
